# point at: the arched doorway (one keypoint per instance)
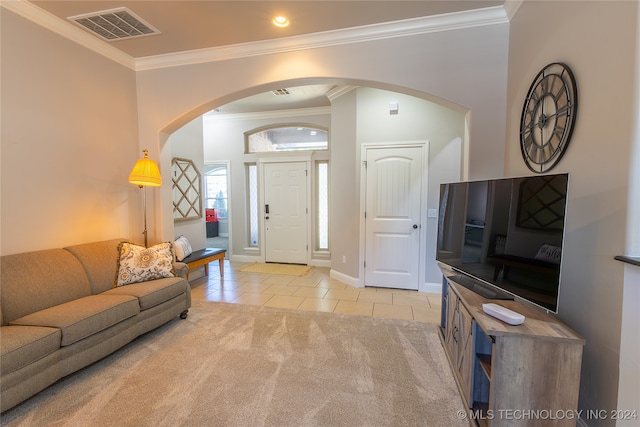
(345, 254)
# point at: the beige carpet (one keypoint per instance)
(271, 268)
(240, 365)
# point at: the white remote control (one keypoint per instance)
(503, 313)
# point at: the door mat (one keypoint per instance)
(271, 268)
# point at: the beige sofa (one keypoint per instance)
(60, 313)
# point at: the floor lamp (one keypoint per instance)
(145, 174)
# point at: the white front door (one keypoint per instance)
(285, 212)
(393, 206)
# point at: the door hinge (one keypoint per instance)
(365, 264)
(306, 172)
(364, 163)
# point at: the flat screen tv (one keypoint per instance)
(503, 238)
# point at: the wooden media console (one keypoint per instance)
(510, 375)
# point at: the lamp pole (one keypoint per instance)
(144, 209)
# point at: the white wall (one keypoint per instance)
(591, 293)
(186, 143)
(470, 73)
(366, 118)
(629, 387)
(417, 120)
(362, 116)
(69, 142)
(344, 217)
(85, 110)
(224, 141)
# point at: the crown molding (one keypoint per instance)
(68, 30)
(408, 27)
(338, 91)
(511, 8)
(274, 114)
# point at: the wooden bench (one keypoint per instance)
(203, 257)
(503, 262)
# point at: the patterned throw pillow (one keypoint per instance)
(139, 264)
(183, 248)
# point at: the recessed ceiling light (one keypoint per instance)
(280, 21)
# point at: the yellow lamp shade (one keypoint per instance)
(145, 172)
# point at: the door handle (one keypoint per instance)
(266, 209)
(415, 226)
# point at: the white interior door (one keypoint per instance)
(393, 209)
(285, 212)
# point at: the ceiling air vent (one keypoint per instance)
(281, 92)
(115, 24)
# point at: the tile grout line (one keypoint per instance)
(237, 293)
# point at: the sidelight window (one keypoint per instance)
(252, 192)
(322, 202)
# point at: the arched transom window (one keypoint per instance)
(287, 138)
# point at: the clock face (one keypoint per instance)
(548, 117)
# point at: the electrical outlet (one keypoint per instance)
(344, 259)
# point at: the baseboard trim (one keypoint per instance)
(245, 258)
(320, 263)
(344, 278)
(251, 258)
(432, 288)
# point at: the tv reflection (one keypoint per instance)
(507, 233)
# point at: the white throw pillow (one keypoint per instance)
(549, 253)
(139, 264)
(183, 248)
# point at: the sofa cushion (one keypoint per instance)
(100, 261)
(139, 264)
(34, 281)
(83, 317)
(153, 292)
(23, 345)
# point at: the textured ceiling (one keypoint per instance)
(189, 25)
(192, 25)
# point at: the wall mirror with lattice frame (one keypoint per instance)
(541, 203)
(187, 184)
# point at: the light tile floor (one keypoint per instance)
(315, 291)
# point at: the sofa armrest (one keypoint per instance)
(181, 269)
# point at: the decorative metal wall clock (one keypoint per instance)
(548, 117)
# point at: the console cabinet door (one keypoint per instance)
(459, 341)
(451, 326)
(464, 356)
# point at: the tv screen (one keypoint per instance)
(507, 234)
